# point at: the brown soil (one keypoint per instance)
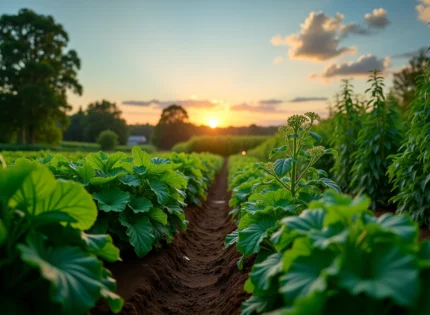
(194, 275)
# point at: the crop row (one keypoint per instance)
(382, 152)
(61, 219)
(315, 250)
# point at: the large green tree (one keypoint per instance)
(36, 71)
(104, 115)
(173, 127)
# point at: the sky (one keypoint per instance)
(232, 62)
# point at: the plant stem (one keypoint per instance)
(293, 171)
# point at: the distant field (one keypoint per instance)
(222, 145)
(72, 146)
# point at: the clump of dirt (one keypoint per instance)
(194, 275)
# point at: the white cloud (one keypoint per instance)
(423, 10)
(377, 19)
(320, 36)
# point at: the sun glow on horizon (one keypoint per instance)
(213, 123)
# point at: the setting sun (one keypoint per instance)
(213, 123)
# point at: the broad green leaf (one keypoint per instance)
(37, 185)
(257, 304)
(140, 158)
(231, 238)
(112, 199)
(158, 215)
(101, 245)
(251, 237)
(398, 224)
(75, 276)
(41, 193)
(277, 150)
(328, 183)
(104, 162)
(307, 221)
(174, 179)
(140, 204)
(161, 191)
(12, 178)
(130, 180)
(114, 301)
(104, 179)
(386, 272)
(306, 275)
(282, 166)
(86, 172)
(263, 272)
(139, 231)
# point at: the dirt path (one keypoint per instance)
(194, 275)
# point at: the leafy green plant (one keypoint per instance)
(295, 172)
(140, 199)
(380, 137)
(199, 170)
(409, 171)
(48, 264)
(337, 258)
(108, 140)
(276, 190)
(347, 124)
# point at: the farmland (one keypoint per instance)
(273, 205)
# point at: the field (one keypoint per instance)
(255, 199)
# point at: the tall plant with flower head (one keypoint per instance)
(295, 171)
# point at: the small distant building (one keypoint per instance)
(135, 140)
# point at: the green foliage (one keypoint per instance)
(295, 172)
(48, 264)
(165, 134)
(199, 172)
(405, 81)
(107, 140)
(140, 199)
(265, 193)
(409, 172)
(336, 257)
(380, 137)
(36, 72)
(222, 145)
(100, 116)
(347, 123)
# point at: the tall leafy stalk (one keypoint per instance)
(379, 137)
(346, 127)
(410, 171)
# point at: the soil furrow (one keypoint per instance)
(194, 275)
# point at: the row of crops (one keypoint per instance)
(61, 220)
(383, 151)
(315, 250)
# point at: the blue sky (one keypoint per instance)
(216, 57)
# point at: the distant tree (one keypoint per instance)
(108, 140)
(101, 116)
(173, 127)
(36, 71)
(405, 81)
(173, 114)
(75, 131)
